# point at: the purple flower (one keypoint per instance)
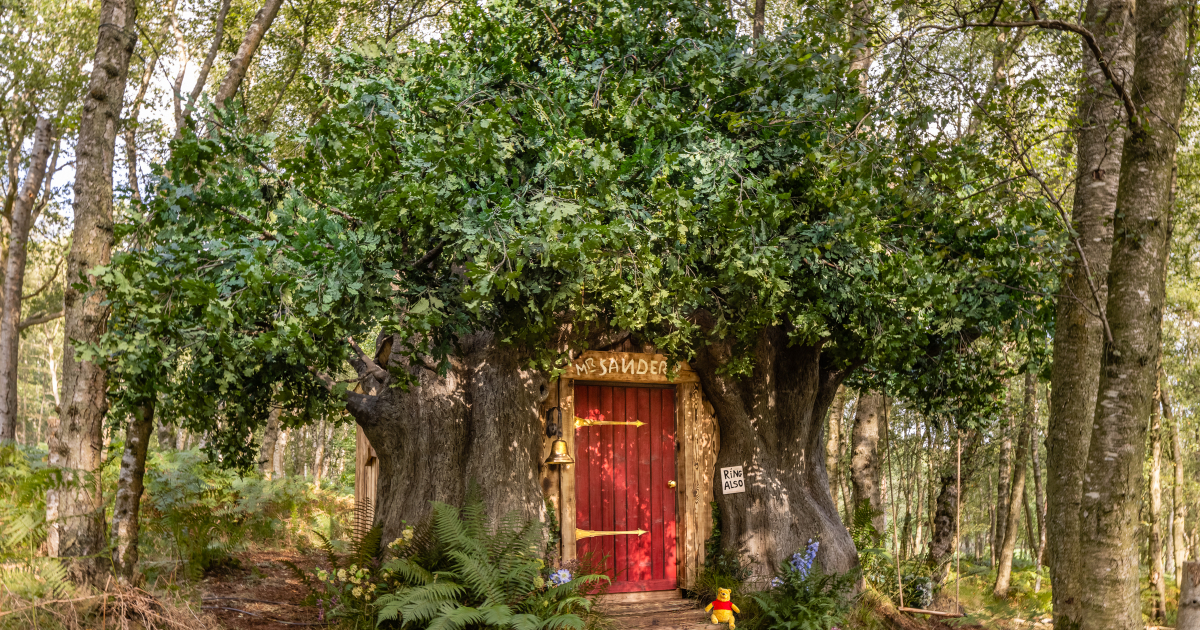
(802, 562)
(560, 577)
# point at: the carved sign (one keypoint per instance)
(628, 367)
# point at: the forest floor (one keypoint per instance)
(260, 593)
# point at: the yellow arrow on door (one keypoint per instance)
(580, 534)
(582, 422)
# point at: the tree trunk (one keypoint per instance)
(860, 13)
(75, 513)
(1040, 506)
(266, 452)
(833, 442)
(1158, 580)
(866, 469)
(279, 457)
(1179, 520)
(1112, 484)
(319, 456)
(772, 424)
(476, 427)
(1039, 498)
(125, 524)
(941, 542)
(206, 66)
(240, 63)
(166, 436)
(1189, 597)
(1004, 471)
(1075, 369)
(991, 521)
(23, 216)
(759, 19)
(1016, 497)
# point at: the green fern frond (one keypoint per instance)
(330, 552)
(367, 547)
(562, 622)
(456, 619)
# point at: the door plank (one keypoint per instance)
(669, 513)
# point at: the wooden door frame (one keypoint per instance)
(632, 369)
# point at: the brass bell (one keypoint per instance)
(558, 453)
(558, 450)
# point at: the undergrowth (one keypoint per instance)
(456, 571)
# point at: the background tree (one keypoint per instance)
(75, 512)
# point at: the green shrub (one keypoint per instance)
(197, 513)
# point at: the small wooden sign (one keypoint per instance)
(732, 480)
(628, 367)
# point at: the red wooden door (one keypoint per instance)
(622, 474)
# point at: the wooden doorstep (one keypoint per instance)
(639, 596)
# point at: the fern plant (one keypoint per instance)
(461, 574)
(24, 480)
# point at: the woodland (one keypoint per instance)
(934, 263)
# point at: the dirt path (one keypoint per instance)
(265, 592)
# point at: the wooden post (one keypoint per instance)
(1189, 597)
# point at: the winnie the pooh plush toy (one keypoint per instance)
(722, 609)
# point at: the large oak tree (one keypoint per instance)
(539, 177)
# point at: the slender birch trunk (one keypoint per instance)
(240, 63)
(833, 442)
(75, 513)
(130, 484)
(1112, 486)
(1179, 504)
(1016, 495)
(1079, 330)
(1004, 471)
(1158, 580)
(24, 214)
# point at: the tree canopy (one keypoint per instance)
(542, 168)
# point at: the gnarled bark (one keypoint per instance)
(866, 466)
(23, 216)
(772, 424)
(75, 513)
(1079, 331)
(478, 424)
(1112, 486)
(1189, 597)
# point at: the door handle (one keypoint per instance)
(671, 484)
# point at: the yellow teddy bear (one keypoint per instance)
(723, 609)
